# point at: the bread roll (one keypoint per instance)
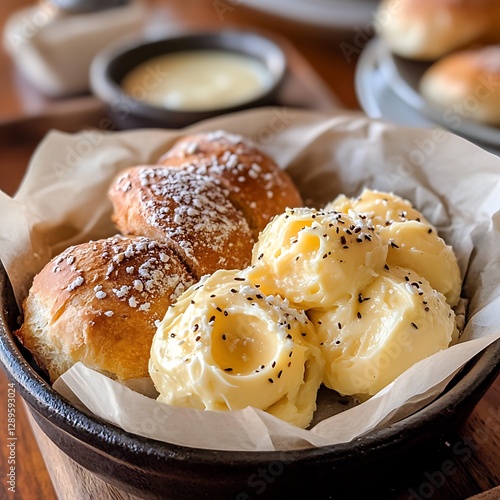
(429, 29)
(187, 209)
(98, 303)
(256, 185)
(467, 84)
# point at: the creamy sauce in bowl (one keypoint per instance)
(197, 80)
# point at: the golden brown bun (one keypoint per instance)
(98, 302)
(256, 185)
(429, 29)
(467, 83)
(184, 208)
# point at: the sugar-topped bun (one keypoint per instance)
(181, 222)
(225, 345)
(316, 258)
(256, 185)
(186, 208)
(369, 341)
(98, 302)
(429, 29)
(466, 84)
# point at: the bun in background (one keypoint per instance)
(429, 29)
(467, 83)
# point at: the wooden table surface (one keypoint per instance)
(473, 473)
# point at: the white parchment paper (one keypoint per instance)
(62, 201)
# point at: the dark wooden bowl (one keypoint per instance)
(152, 469)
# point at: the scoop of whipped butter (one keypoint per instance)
(379, 207)
(412, 241)
(316, 258)
(417, 246)
(370, 340)
(225, 345)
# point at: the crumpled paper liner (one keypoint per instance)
(62, 201)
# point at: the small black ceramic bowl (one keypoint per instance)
(113, 64)
(369, 466)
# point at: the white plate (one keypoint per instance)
(332, 14)
(404, 77)
(386, 87)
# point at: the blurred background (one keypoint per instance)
(317, 39)
(64, 63)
